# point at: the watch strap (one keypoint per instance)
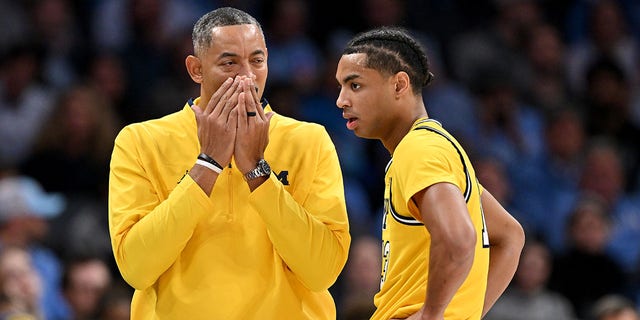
(262, 169)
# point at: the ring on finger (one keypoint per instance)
(251, 113)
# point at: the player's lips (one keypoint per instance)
(351, 121)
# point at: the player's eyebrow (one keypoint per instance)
(350, 77)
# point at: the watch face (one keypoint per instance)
(264, 167)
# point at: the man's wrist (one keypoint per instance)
(208, 159)
(262, 169)
(208, 165)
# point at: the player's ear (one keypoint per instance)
(402, 83)
(194, 68)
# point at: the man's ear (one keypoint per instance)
(194, 68)
(402, 83)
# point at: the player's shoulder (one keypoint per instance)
(426, 138)
(422, 135)
(428, 128)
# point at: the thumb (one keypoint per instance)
(269, 115)
(196, 109)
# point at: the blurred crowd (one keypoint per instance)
(543, 94)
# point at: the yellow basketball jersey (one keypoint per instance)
(426, 155)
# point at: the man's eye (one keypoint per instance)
(355, 86)
(227, 63)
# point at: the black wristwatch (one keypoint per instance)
(262, 169)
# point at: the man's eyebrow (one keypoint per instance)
(232, 54)
(227, 54)
(350, 77)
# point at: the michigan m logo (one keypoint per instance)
(282, 177)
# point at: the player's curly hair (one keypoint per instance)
(391, 50)
(225, 16)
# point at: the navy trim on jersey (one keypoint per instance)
(428, 120)
(398, 217)
(467, 189)
(388, 166)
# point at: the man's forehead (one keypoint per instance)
(235, 32)
(245, 39)
(352, 66)
(355, 60)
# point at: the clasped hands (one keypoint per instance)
(233, 123)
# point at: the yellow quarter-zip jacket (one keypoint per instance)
(267, 254)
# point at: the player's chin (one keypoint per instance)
(360, 133)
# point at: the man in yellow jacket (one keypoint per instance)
(226, 210)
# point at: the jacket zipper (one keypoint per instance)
(230, 183)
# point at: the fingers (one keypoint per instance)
(247, 88)
(196, 110)
(218, 95)
(242, 109)
(251, 102)
(231, 102)
(224, 100)
(252, 91)
(239, 92)
(233, 117)
(268, 116)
